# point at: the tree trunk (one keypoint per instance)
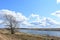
(12, 30)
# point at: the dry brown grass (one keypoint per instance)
(5, 35)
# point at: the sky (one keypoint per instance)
(33, 13)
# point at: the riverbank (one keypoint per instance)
(5, 35)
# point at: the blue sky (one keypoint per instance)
(40, 7)
(43, 8)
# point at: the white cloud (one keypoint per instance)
(1, 21)
(56, 13)
(27, 23)
(48, 21)
(42, 21)
(18, 15)
(34, 15)
(58, 1)
(53, 21)
(32, 19)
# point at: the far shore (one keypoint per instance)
(40, 29)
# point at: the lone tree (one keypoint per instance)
(11, 22)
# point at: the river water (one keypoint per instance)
(50, 33)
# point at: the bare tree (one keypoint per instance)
(11, 22)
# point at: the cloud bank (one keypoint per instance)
(33, 21)
(56, 13)
(58, 1)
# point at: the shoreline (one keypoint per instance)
(26, 36)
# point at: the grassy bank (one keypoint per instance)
(4, 34)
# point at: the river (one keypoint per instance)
(50, 33)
